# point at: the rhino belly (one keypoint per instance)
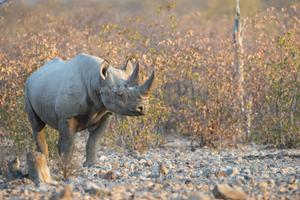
(89, 120)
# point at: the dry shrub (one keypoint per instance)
(67, 168)
(194, 94)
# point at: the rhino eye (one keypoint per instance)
(122, 96)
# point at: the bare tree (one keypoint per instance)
(245, 101)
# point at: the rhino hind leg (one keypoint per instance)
(38, 128)
(93, 140)
(41, 142)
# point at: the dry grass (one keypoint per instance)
(194, 95)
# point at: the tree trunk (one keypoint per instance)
(245, 102)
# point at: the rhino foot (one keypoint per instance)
(88, 164)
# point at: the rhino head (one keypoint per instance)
(120, 91)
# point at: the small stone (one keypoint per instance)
(126, 165)
(93, 189)
(246, 177)
(43, 187)
(293, 186)
(88, 185)
(142, 161)
(155, 171)
(220, 174)
(163, 169)
(291, 179)
(66, 194)
(282, 189)
(199, 196)
(263, 185)
(149, 163)
(103, 158)
(197, 173)
(286, 170)
(136, 173)
(239, 159)
(224, 191)
(11, 170)
(135, 154)
(110, 175)
(157, 186)
(177, 154)
(271, 183)
(231, 171)
(207, 172)
(118, 189)
(25, 192)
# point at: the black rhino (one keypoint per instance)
(82, 93)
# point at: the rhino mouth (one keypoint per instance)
(134, 113)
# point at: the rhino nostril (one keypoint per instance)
(140, 108)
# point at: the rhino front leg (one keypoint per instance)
(67, 130)
(94, 135)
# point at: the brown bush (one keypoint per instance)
(194, 94)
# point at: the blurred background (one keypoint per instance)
(190, 46)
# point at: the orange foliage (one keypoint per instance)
(194, 94)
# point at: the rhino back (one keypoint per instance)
(59, 90)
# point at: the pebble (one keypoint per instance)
(170, 173)
(199, 196)
(103, 158)
(231, 171)
(110, 175)
(224, 191)
(163, 169)
(149, 163)
(65, 194)
(155, 170)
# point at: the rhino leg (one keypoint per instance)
(94, 135)
(38, 128)
(41, 142)
(67, 130)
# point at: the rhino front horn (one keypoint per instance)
(145, 88)
(134, 77)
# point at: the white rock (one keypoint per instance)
(103, 158)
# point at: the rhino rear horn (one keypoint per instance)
(128, 67)
(134, 77)
(145, 88)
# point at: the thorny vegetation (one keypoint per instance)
(192, 53)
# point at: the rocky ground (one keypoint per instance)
(171, 172)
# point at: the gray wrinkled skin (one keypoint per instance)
(82, 93)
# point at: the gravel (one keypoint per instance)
(172, 171)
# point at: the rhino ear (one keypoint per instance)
(104, 70)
